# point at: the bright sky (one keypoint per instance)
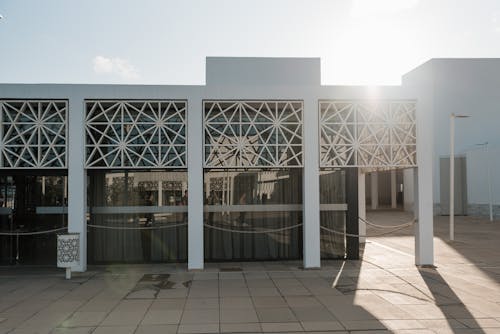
(166, 42)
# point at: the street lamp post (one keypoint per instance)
(490, 191)
(452, 173)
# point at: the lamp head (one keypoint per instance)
(459, 116)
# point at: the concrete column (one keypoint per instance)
(311, 233)
(374, 189)
(362, 204)
(195, 184)
(394, 203)
(77, 177)
(423, 183)
(352, 216)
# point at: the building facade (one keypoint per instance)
(261, 163)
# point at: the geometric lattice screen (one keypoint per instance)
(135, 134)
(253, 134)
(373, 134)
(33, 133)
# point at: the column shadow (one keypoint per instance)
(454, 310)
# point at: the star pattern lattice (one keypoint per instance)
(33, 133)
(374, 134)
(136, 134)
(253, 134)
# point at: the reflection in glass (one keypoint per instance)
(332, 191)
(137, 199)
(31, 203)
(253, 200)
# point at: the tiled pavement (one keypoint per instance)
(384, 293)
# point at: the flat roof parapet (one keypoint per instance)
(223, 71)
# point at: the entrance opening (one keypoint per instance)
(253, 214)
(137, 216)
(31, 202)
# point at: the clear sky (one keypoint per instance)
(166, 42)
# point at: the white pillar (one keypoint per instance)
(423, 183)
(311, 232)
(362, 204)
(394, 203)
(195, 184)
(374, 189)
(77, 177)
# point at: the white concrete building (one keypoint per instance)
(261, 163)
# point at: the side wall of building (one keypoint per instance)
(464, 87)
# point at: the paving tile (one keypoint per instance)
(264, 291)
(351, 312)
(208, 316)
(313, 313)
(31, 330)
(260, 283)
(76, 330)
(156, 329)
(441, 325)
(299, 301)
(362, 324)
(172, 293)
(115, 330)
(419, 312)
(168, 304)
(238, 315)
(403, 324)
(283, 314)
(84, 319)
(269, 301)
(162, 317)
(198, 328)
(315, 326)
(236, 303)
(240, 328)
(123, 318)
(234, 292)
(94, 305)
(285, 327)
(203, 293)
(480, 323)
(202, 303)
(294, 291)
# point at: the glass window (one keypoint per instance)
(253, 200)
(31, 203)
(332, 197)
(121, 200)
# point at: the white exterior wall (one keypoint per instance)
(468, 87)
(226, 84)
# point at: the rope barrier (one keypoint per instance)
(251, 232)
(394, 228)
(136, 228)
(366, 236)
(387, 226)
(33, 233)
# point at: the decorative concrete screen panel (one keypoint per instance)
(136, 134)
(33, 133)
(373, 134)
(242, 134)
